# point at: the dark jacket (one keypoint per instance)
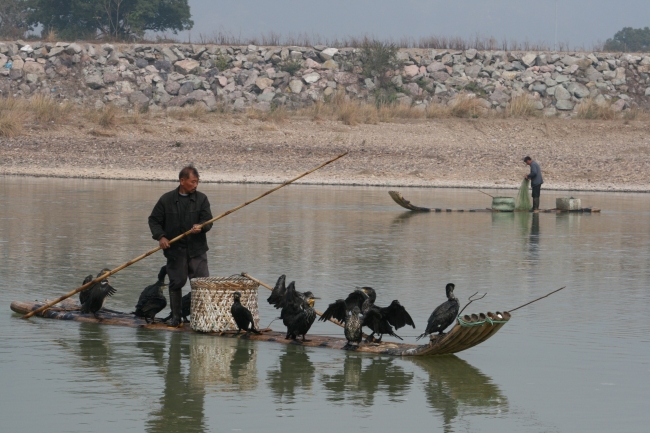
(535, 175)
(165, 221)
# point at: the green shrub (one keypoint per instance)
(290, 66)
(221, 63)
(378, 59)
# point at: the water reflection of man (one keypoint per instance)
(177, 212)
(182, 402)
(536, 181)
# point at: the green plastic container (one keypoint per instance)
(503, 204)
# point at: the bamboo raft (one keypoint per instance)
(406, 204)
(469, 331)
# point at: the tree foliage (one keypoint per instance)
(119, 19)
(630, 39)
(13, 18)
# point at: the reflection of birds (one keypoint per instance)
(186, 307)
(153, 345)
(295, 370)
(297, 308)
(152, 300)
(379, 320)
(93, 298)
(95, 347)
(239, 364)
(444, 315)
(242, 315)
(362, 378)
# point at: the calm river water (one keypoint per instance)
(577, 361)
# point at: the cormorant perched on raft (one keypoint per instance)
(444, 315)
(297, 308)
(353, 325)
(299, 317)
(186, 307)
(379, 320)
(242, 315)
(92, 299)
(278, 292)
(152, 300)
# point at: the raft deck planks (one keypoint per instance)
(458, 339)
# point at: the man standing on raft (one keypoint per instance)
(177, 212)
(536, 181)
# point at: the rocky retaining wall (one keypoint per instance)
(163, 76)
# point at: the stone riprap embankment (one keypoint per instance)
(162, 76)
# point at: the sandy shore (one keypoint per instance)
(475, 153)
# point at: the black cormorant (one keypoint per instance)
(92, 299)
(278, 292)
(299, 318)
(353, 325)
(297, 308)
(444, 315)
(152, 300)
(379, 320)
(242, 315)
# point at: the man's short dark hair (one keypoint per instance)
(528, 158)
(187, 171)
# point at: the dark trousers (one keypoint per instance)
(181, 266)
(536, 190)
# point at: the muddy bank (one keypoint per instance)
(485, 153)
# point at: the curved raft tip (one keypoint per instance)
(469, 331)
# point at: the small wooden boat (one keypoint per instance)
(468, 331)
(406, 204)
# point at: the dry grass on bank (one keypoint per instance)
(47, 111)
(354, 113)
(12, 116)
(43, 111)
(276, 115)
(521, 106)
(590, 109)
(11, 124)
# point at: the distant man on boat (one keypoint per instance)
(177, 212)
(536, 181)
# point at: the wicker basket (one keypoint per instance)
(212, 299)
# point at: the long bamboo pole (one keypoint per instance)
(535, 300)
(177, 238)
(244, 274)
